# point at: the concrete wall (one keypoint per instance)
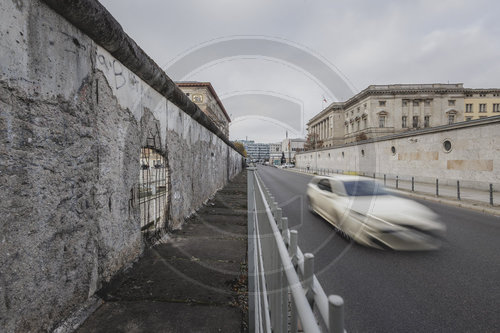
(474, 157)
(73, 119)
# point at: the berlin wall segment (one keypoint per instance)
(73, 120)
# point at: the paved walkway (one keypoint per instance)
(193, 282)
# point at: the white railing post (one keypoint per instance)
(284, 231)
(335, 314)
(278, 216)
(292, 248)
(308, 280)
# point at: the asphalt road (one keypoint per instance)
(454, 289)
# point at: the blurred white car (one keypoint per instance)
(360, 208)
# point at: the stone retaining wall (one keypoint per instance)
(73, 119)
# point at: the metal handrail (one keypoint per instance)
(283, 289)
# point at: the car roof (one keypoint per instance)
(343, 177)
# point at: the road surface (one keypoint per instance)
(454, 289)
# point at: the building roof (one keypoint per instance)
(210, 88)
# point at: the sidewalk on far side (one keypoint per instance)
(194, 281)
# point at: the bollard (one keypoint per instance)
(491, 194)
(458, 190)
(278, 216)
(413, 184)
(397, 181)
(335, 314)
(437, 187)
(284, 232)
(374, 175)
(308, 281)
(292, 249)
(384, 180)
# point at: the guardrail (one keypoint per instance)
(283, 290)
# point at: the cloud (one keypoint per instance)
(370, 42)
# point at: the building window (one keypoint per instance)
(427, 121)
(415, 122)
(482, 95)
(365, 105)
(427, 102)
(496, 107)
(381, 103)
(482, 108)
(197, 98)
(451, 102)
(415, 103)
(447, 146)
(381, 121)
(468, 108)
(468, 118)
(365, 121)
(357, 125)
(403, 122)
(405, 102)
(451, 119)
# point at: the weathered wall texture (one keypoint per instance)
(474, 157)
(72, 122)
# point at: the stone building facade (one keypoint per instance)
(275, 153)
(381, 110)
(481, 103)
(204, 95)
(290, 147)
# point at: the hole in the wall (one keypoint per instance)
(343, 155)
(447, 146)
(212, 154)
(362, 152)
(153, 186)
(393, 150)
(76, 42)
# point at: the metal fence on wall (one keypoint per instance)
(153, 186)
(284, 293)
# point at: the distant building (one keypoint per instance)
(275, 153)
(203, 94)
(481, 103)
(256, 151)
(380, 110)
(292, 146)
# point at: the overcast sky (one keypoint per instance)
(363, 42)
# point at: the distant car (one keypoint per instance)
(362, 209)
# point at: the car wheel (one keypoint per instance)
(344, 235)
(310, 207)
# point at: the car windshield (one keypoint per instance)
(363, 188)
